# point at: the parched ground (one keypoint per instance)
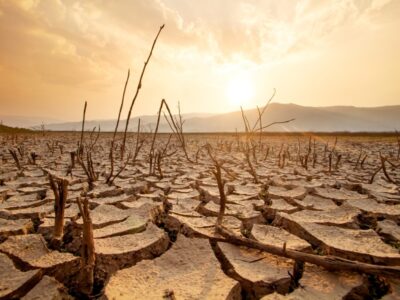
(154, 227)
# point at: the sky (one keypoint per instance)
(212, 56)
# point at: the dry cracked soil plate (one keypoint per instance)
(14, 283)
(189, 270)
(276, 236)
(317, 284)
(31, 250)
(260, 273)
(344, 216)
(116, 252)
(389, 228)
(355, 244)
(48, 288)
(14, 227)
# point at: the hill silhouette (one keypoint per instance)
(313, 119)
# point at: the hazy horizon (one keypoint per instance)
(26, 121)
(211, 56)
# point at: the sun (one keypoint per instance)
(240, 90)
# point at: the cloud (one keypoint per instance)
(65, 50)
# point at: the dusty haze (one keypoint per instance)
(54, 55)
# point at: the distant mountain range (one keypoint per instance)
(8, 129)
(26, 121)
(317, 119)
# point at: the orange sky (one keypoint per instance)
(212, 56)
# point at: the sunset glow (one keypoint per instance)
(54, 55)
(240, 91)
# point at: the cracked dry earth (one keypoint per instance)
(155, 237)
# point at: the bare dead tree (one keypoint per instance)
(158, 158)
(151, 153)
(80, 145)
(338, 159)
(21, 151)
(363, 160)
(179, 129)
(326, 150)
(385, 172)
(176, 127)
(88, 168)
(72, 156)
(374, 174)
(329, 262)
(275, 123)
(259, 120)
(334, 145)
(88, 258)
(358, 159)
(304, 159)
(245, 122)
(122, 168)
(43, 129)
(282, 165)
(266, 153)
(139, 142)
(398, 144)
(93, 138)
(314, 155)
(15, 157)
(32, 158)
(111, 155)
(139, 86)
(260, 128)
(61, 147)
(251, 170)
(250, 131)
(51, 147)
(221, 185)
(87, 162)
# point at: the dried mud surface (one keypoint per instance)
(154, 233)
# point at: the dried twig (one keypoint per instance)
(15, 157)
(383, 161)
(221, 185)
(80, 149)
(139, 86)
(111, 156)
(328, 262)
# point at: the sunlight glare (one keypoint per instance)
(240, 90)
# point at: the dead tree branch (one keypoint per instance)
(221, 186)
(139, 86)
(332, 263)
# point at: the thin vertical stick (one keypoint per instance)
(259, 117)
(221, 185)
(398, 145)
(115, 132)
(139, 86)
(265, 107)
(83, 128)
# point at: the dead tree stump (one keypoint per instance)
(60, 190)
(88, 258)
